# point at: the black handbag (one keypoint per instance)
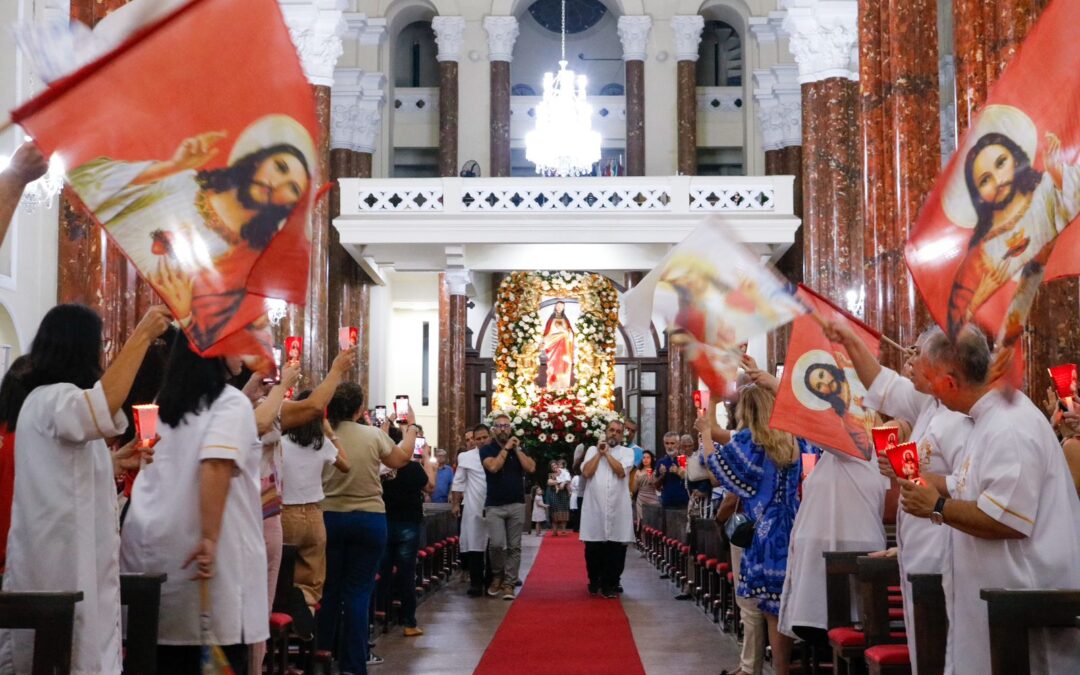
(740, 529)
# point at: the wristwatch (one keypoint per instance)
(937, 517)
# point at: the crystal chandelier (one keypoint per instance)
(563, 142)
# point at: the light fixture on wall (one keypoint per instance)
(276, 310)
(563, 142)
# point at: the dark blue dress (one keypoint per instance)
(770, 495)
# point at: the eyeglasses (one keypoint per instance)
(501, 426)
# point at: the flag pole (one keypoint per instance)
(7, 124)
(884, 338)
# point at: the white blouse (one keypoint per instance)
(64, 523)
(163, 526)
(471, 479)
(302, 469)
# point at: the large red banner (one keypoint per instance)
(998, 220)
(821, 397)
(193, 145)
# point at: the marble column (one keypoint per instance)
(681, 384)
(900, 137)
(970, 23)
(316, 27)
(687, 31)
(90, 270)
(502, 32)
(823, 40)
(449, 35)
(634, 35)
(453, 329)
(358, 99)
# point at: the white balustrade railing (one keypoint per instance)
(663, 194)
(714, 100)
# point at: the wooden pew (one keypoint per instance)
(1012, 613)
(52, 618)
(931, 623)
(141, 594)
(847, 652)
(886, 650)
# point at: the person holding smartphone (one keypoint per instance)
(506, 464)
(607, 521)
(403, 493)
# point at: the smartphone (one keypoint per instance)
(380, 414)
(779, 371)
(294, 348)
(418, 447)
(276, 377)
(401, 407)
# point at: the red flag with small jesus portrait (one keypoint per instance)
(821, 397)
(1001, 217)
(193, 144)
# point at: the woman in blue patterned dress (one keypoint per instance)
(763, 467)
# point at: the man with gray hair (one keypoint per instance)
(1009, 504)
(938, 432)
(669, 475)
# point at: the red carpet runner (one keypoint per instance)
(555, 626)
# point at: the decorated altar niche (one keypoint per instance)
(555, 358)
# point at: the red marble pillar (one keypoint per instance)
(832, 227)
(448, 118)
(900, 140)
(970, 56)
(316, 328)
(687, 115)
(500, 119)
(445, 385)
(453, 328)
(791, 165)
(681, 383)
(635, 118)
(774, 162)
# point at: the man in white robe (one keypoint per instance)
(938, 432)
(470, 486)
(607, 518)
(1010, 505)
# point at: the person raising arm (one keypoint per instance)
(26, 166)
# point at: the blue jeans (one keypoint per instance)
(355, 542)
(402, 542)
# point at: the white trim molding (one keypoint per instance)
(316, 28)
(687, 29)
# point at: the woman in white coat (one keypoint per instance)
(204, 484)
(64, 534)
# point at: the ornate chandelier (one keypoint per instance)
(563, 142)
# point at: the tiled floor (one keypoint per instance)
(671, 636)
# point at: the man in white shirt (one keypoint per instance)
(1010, 505)
(939, 433)
(607, 521)
(470, 486)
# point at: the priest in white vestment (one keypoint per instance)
(64, 532)
(468, 493)
(938, 432)
(607, 517)
(1010, 507)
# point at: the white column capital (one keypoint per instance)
(502, 32)
(316, 28)
(767, 108)
(824, 38)
(458, 280)
(356, 103)
(449, 36)
(634, 35)
(687, 29)
(366, 31)
(762, 29)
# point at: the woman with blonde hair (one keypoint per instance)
(763, 467)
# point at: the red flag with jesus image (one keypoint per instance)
(193, 144)
(1001, 216)
(820, 397)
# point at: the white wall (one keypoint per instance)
(28, 255)
(414, 299)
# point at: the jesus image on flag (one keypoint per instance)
(822, 380)
(1015, 213)
(210, 225)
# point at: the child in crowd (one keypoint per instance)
(539, 513)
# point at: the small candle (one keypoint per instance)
(904, 459)
(885, 437)
(146, 418)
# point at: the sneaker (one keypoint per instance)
(412, 631)
(374, 660)
(496, 587)
(619, 588)
(507, 592)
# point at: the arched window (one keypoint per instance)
(613, 89)
(521, 89)
(720, 56)
(415, 64)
